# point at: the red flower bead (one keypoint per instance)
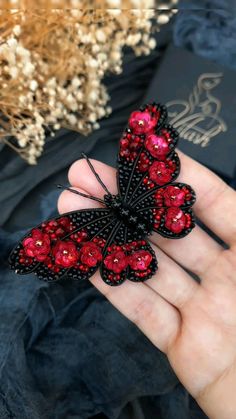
(173, 196)
(116, 261)
(142, 122)
(160, 172)
(37, 245)
(175, 220)
(157, 146)
(140, 260)
(90, 254)
(65, 254)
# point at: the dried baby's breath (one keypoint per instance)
(53, 59)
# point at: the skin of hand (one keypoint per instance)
(193, 323)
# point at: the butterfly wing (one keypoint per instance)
(147, 167)
(70, 245)
(127, 256)
(168, 210)
(146, 156)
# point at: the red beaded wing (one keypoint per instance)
(114, 238)
(70, 245)
(127, 256)
(147, 168)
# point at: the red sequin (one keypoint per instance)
(160, 172)
(90, 254)
(65, 254)
(173, 196)
(157, 146)
(140, 260)
(116, 261)
(37, 245)
(175, 220)
(142, 122)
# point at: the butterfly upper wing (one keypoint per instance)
(135, 160)
(71, 244)
(147, 167)
(127, 256)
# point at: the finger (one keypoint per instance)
(195, 252)
(80, 175)
(171, 282)
(154, 316)
(68, 201)
(216, 201)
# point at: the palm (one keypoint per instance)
(195, 325)
(205, 346)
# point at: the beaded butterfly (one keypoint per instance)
(113, 237)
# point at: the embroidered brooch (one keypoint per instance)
(114, 238)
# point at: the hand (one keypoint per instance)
(194, 324)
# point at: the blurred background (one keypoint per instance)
(65, 352)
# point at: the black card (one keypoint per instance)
(201, 100)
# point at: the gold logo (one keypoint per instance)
(198, 118)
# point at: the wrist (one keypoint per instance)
(218, 400)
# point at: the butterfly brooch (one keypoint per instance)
(113, 237)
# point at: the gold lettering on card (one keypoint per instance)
(198, 118)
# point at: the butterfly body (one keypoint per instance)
(127, 214)
(113, 237)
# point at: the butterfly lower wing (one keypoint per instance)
(68, 245)
(146, 156)
(168, 210)
(127, 257)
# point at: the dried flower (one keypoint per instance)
(53, 59)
